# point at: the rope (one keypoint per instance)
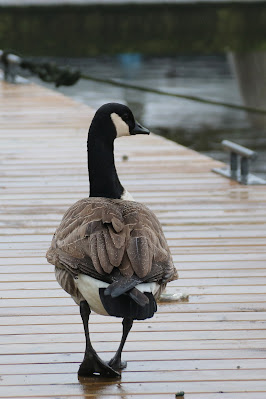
(166, 93)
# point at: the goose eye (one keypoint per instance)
(125, 117)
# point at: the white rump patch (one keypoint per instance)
(122, 128)
(89, 288)
(148, 287)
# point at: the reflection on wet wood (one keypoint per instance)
(217, 232)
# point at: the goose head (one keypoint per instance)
(114, 120)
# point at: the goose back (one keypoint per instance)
(103, 238)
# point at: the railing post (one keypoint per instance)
(233, 164)
(244, 172)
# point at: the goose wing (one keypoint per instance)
(107, 238)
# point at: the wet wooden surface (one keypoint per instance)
(211, 347)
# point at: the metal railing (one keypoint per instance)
(240, 158)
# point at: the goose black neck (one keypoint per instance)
(104, 181)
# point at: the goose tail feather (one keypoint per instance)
(122, 285)
(129, 305)
(127, 285)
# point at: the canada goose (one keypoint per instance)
(109, 252)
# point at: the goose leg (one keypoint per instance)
(116, 362)
(92, 364)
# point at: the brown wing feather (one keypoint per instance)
(138, 254)
(111, 234)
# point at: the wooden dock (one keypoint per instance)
(211, 347)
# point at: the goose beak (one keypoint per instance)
(138, 129)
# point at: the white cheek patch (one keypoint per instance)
(122, 128)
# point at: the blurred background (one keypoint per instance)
(211, 49)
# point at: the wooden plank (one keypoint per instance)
(139, 377)
(183, 243)
(237, 267)
(243, 292)
(162, 317)
(78, 347)
(189, 308)
(145, 356)
(142, 327)
(41, 274)
(157, 336)
(64, 301)
(155, 366)
(170, 235)
(44, 282)
(114, 388)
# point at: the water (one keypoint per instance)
(198, 126)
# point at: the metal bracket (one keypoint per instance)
(239, 173)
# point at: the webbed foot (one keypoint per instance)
(92, 365)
